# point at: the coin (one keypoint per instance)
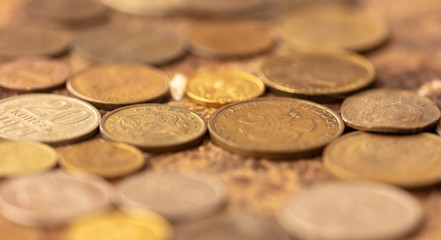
(221, 7)
(274, 127)
(48, 118)
(33, 74)
(154, 127)
(53, 199)
(141, 7)
(218, 88)
(115, 85)
(105, 159)
(389, 110)
(177, 196)
(17, 232)
(356, 211)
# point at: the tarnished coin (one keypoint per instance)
(317, 73)
(389, 110)
(218, 88)
(351, 211)
(143, 7)
(53, 199)
(274, 127)
(105, 159)
(220, 7)
(176, 196)
(48, 118)
(230, 38)
(33, 74)
(154, 127)
(14, 231)
(115, 85)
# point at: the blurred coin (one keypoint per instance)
(218, 88)
(144, 7)
(220, 7)
(351, 211)
(389, 110)
(274, 127)
(14, 231)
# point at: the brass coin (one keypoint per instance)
(115, 85)
(33, 74)
(105, 159)
(48, 118)
(274, 127)
(317, 73)
(389, 110)
(218, 88)
(154, 127)
(355, 211)
(19, 158)
(14, 231)
(221, 7)
(146, 8)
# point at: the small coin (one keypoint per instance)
(221, 7)
(115, 85)
(14, 231)
(48, 118)
(105, 159)
(53, 199)
(389, 110)
(274, 127)
(141, 7)
(355, 211)
(218, 88)
(176, 196)
(154, 127)
(33, 74)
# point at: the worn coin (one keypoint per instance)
(147, 8)
(154, 127)
(115, 85)
(33, 74)
(48, 118)
(218, 88)
(14, 231)
(274, 127)
(351, 211)
(221, 7)
(389, 110)
(177, 196)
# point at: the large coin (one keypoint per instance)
(274, 127)
(389, 110)
(48, 118)
(351, 211)
(154, 127)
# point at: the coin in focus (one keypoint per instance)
(154, 127)
(221, 7)
(177, 196)
(356, 211)
(389, 110)
(145, 8)
(17, 232)
(218, 88)
(115, 85)
(274, 127)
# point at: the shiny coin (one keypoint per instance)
(33, 74)
(106, 159)
(389, 110)
(53, 199)
(356, 211)
(222, 87)
(48, 118)
(274, 127)
(221, 7)
(14, 231)
(174, 195)
(115, 85)
(154, 127)
(143, 7)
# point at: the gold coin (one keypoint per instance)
(19, 158)
(154, 127)
(115, 85)
(105, 159)
(389, 110)
(216, 89)
(274, 127)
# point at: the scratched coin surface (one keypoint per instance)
(33, 74)
(53, 199)
(389, 110)
(355, 211)
(48, 118)
(105, 159)
(18, 232)
(154, 127)
(274, 127)
(115, 85)
(177, 196)
(218, 88)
